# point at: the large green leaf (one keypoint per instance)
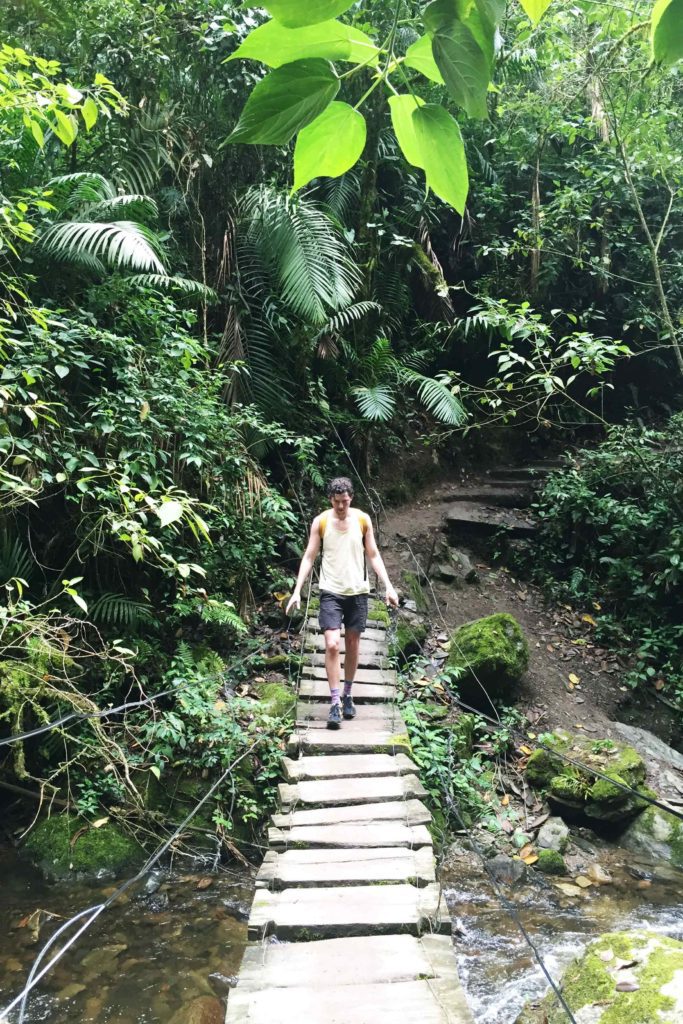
(420, 57)
(273, 44)
(464, 67)
(330, 145)
(402, 109)
(122, 244)
(667, 31)
(441, 13)
(491, 11)
(430, 139)
(295, 13)
(286, 101)
(443, 154)
(535, 8)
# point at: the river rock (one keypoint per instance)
(506, 870)
(553, 835)
(71, 990)
(597, 874)
(204, 1010)
(576, 787)
(623, 976)
(491, 652)
(656, 834)
(649, 745)
(103, 959)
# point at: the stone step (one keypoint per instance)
(376, 660)
(373, 632)
(333, 792)
(304, 914)
(346, 867)
(381, 676)
(363, 693)
(469, 519)
(387, 833)
(407, 812)
(353, 737)
(347, 766)
(384, 715)
(389, 979)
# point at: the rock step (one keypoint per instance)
(346, 836)
(385, 980)
(320, 913)
(469, 519)
(348, 766)
(407, 812)
(363, 693)
(353, 737)
(335, 792)
(503, 494)
(382, 676)
(346, 867)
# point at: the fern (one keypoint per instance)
(123, 244)
(436, 397)
(165, 283)
(119, 610)
(345, 317)
(375, 403)
(16, 561)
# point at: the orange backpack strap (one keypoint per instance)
(322, 524)
(364, 522)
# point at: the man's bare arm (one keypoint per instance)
(307, 562)
(375, 559)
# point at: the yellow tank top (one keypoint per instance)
(343, 564)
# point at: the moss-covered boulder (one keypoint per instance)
(409, 637)
(492, 650)
(576, 786)
(276, 699)
(550, 862)
(64, 846)
(622, 978)
(657, 835)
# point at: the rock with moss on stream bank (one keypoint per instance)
(64, 846)
(576, 788)
(622, 978)
(656, 834)
(493, 652)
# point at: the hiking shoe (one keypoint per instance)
(334, 717)
(349, 707)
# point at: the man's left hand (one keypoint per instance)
(391, 597)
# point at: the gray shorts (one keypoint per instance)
(350, 609)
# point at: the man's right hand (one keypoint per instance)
(295, 600)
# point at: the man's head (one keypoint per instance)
(340, 493)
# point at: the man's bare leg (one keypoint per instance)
(332, 668)
(352, 639)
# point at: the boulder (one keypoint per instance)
(492, 651)
(622, 978)
(204, 1010)
(64, 846)
(551, 862)
(576, 787)
(656, 834)
(553, 835)
(409, 637)
(506, 870)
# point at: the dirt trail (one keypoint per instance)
(561, 642)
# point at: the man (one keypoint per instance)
(347, 537)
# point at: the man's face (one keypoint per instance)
(340, 504)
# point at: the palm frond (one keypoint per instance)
(436, 397)
(82, 187)
(119, 610)
(122, 244)
(139, 206)
(15, 558)
(338, 196)
(167, 282)
(375, 403)
(341, 320)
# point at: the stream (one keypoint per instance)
(152, 955)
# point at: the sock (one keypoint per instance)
(334, 695)
(347, 687)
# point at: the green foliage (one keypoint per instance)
(609, 537)
(330, 145)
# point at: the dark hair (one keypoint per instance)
(339, 485)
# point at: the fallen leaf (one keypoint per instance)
(589, 619)
(219, 705)
(100, 822)
(584, 882)
(505, 801)
(526, 851)
(549, 648)
(579, 725)
(531, 735)
(204, 883)
(531, 859)
(597, 606)
(568, 889)
(526, 750)
(659, 684)
(574, 679)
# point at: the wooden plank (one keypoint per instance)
(366, 659)
(305, 914)
(410, 812)
(332, 792)
(363, 693)
(386, 714)
(349, 740)
(388, 833)
(368, 676)
(369, 866)
(348, 766)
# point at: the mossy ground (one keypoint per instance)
(276, 699)
(61, 848)
(550, 862)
